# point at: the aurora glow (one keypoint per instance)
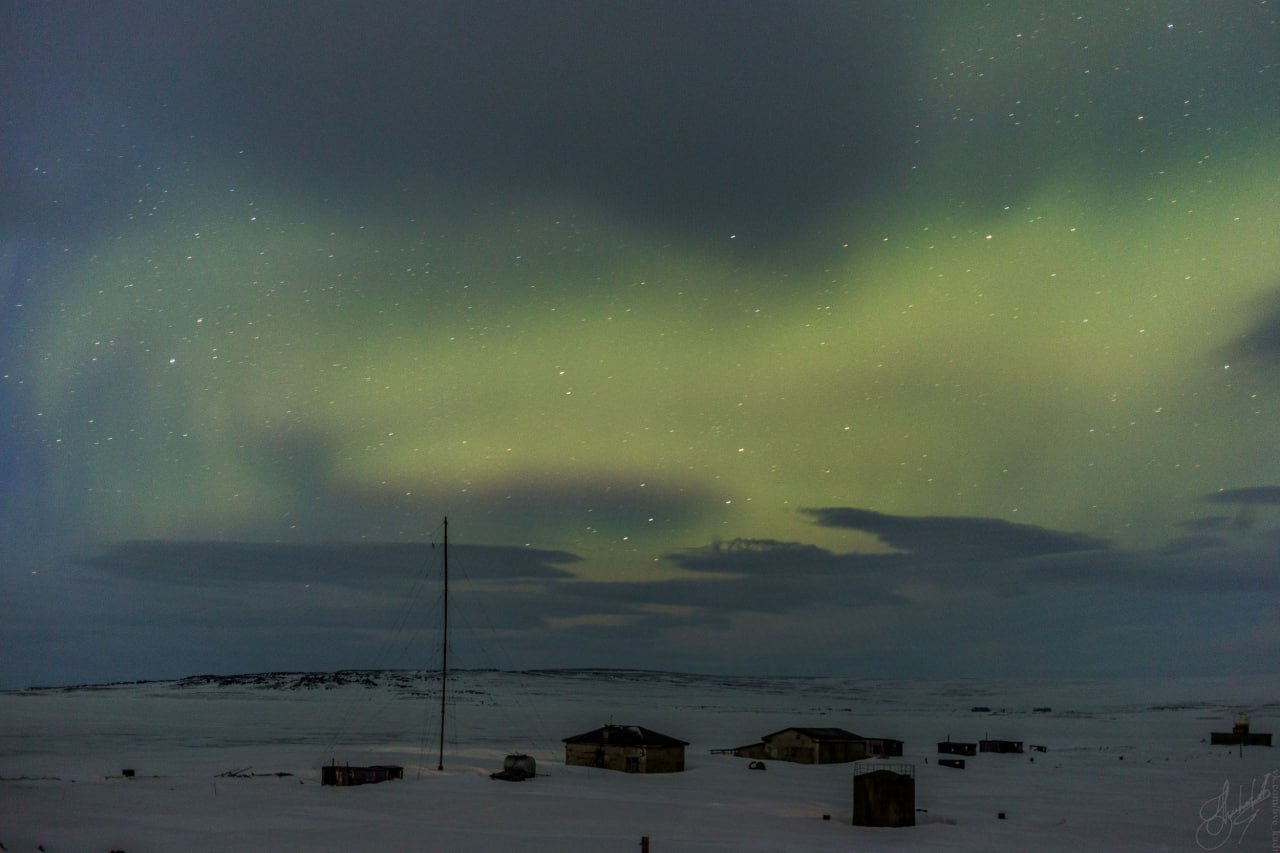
(582, 286)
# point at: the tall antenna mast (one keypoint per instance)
(444, 645)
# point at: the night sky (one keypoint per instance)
(889, 338)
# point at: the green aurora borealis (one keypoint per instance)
(1056, 306)
(939, 366)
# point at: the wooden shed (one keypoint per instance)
(883, 747)
(955, 747)
(999, 746)
(334, 774)
(884, 795)
(631, 749)
(809, 745)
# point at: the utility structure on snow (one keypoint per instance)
(1240, 735)
(884, 795)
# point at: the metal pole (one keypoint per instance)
(444, 646)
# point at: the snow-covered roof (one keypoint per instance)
(817, 733)
(626, 736)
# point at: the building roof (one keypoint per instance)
(626, 736)
(818, 733)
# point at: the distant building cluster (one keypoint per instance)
(883, 792)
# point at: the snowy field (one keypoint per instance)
(1128, 765)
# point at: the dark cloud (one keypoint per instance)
(1262, 342)
(174, 608)
(760, 557)
(238, 564)
(1196, 542)
(768, 575)
(1251, 495)
(1206, 524)
(771, 576)
(241, 586)
(744, 112)
(957, 538)
(275, 606)
(1192, 565)
(759, 593)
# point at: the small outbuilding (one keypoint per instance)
(955, 747)
(883, 747)
(345, 775)
(631, 749)
(884, 795)
(1005, 746)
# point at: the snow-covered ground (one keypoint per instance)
(1128, 765)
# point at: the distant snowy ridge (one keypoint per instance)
(1218, 698)
(405, 678)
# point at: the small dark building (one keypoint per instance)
(884, 747)
(884, 795)
(631, 749)
(1000, 746)
(1240, 735)
(344, 775)
(955, 747)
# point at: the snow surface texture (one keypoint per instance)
(1128, 765)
